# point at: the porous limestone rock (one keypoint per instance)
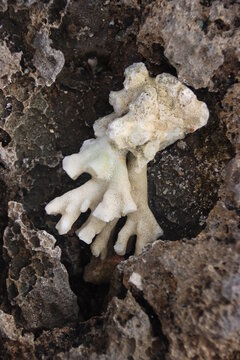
(149, 115)
(9, 330)
(48, 61)
(17, 4)
(9, 64)
(197, 36)
(194, 288)
(126, 333)
(123, 331)
(3, 5)
(37, 282)
(14, 342)
(26, 148)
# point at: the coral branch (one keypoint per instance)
(99, 247)
(74, 202)
(142, 222)
(149, 115)
(108, 194)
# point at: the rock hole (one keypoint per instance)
(5, 138)
(12, 291)
(35, 241)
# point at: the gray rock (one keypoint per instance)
(194, 289)
(9, 330)
(37, 282)
(127, 333)
(26, 3)
(3, 5)
(195, 36)
(9, 64)
(48, 61)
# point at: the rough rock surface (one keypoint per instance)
(123, 319)
(196, 36)
(194, 290)
(37, 282)
(183, 295)
(10, 332)
(9, 64)
(48, 61)
(193, 286)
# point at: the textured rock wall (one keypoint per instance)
(180, 298)
(37, 282)
(196, 36)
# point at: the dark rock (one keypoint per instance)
(25, 2)
(124, 331)
(127, 333)
(193, 287)
(100, 271)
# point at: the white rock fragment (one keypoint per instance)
(149, 115)
(136, 280)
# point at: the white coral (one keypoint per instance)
(107, 194)
(149, 114)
